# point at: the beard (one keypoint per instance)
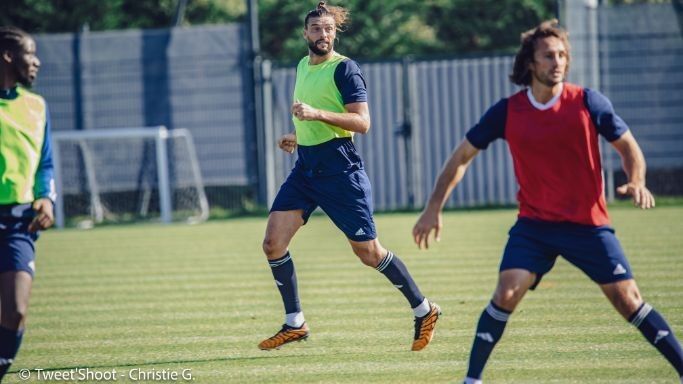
(313, 46)
(547, 80)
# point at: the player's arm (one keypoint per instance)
(491, 127)
(633, 163)
(451, 174)
(44, 186)
(355, 119)
(614, 129)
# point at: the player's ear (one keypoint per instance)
(7, 56)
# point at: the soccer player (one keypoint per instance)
(552, 129)
(26, 183)
(330, 105)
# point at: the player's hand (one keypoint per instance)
(303, 111)
(287, 142)
(45, 216)
(642, 197)
(429, 220)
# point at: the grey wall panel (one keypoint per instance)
(283, 89)
(453, 94)
(381, 148)
(643, 77)
(55, 81)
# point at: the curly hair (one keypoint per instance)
(339, 14)
(521, 74)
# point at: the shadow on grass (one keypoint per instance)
(162, 362)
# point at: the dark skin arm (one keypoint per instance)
(45, 216)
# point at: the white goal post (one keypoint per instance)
(112, 170)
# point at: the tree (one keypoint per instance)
(49, 16)
(392, 29)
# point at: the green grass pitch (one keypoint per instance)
(166, 298)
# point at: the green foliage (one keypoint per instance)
(485, 25)
(48, 16)
(386, 30)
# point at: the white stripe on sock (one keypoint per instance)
(642, 314)
(385, 261)
(496, 314)
(277, 263)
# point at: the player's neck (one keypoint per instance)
(7, 82)
(314, 59)
(544, 93)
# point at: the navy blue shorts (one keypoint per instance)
(345, 197)
(534, 246)
(17, 250)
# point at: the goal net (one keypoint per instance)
(126, 175)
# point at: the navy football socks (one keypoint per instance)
(489, 330)
(9, 345)
(655, 329)
(393, 268)
(285, 279)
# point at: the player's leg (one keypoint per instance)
(15, 289)
(347, 200)
(291, 209)
(525, 259)
(17, 255)
(625, 297)
(372, 254)
(282, 226)
(598, 253)
(512, 285)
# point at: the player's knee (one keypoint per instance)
(366, 257)
(627, 303)
(624, 296)
(273, 248)
(507, 298)
(370, 256)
